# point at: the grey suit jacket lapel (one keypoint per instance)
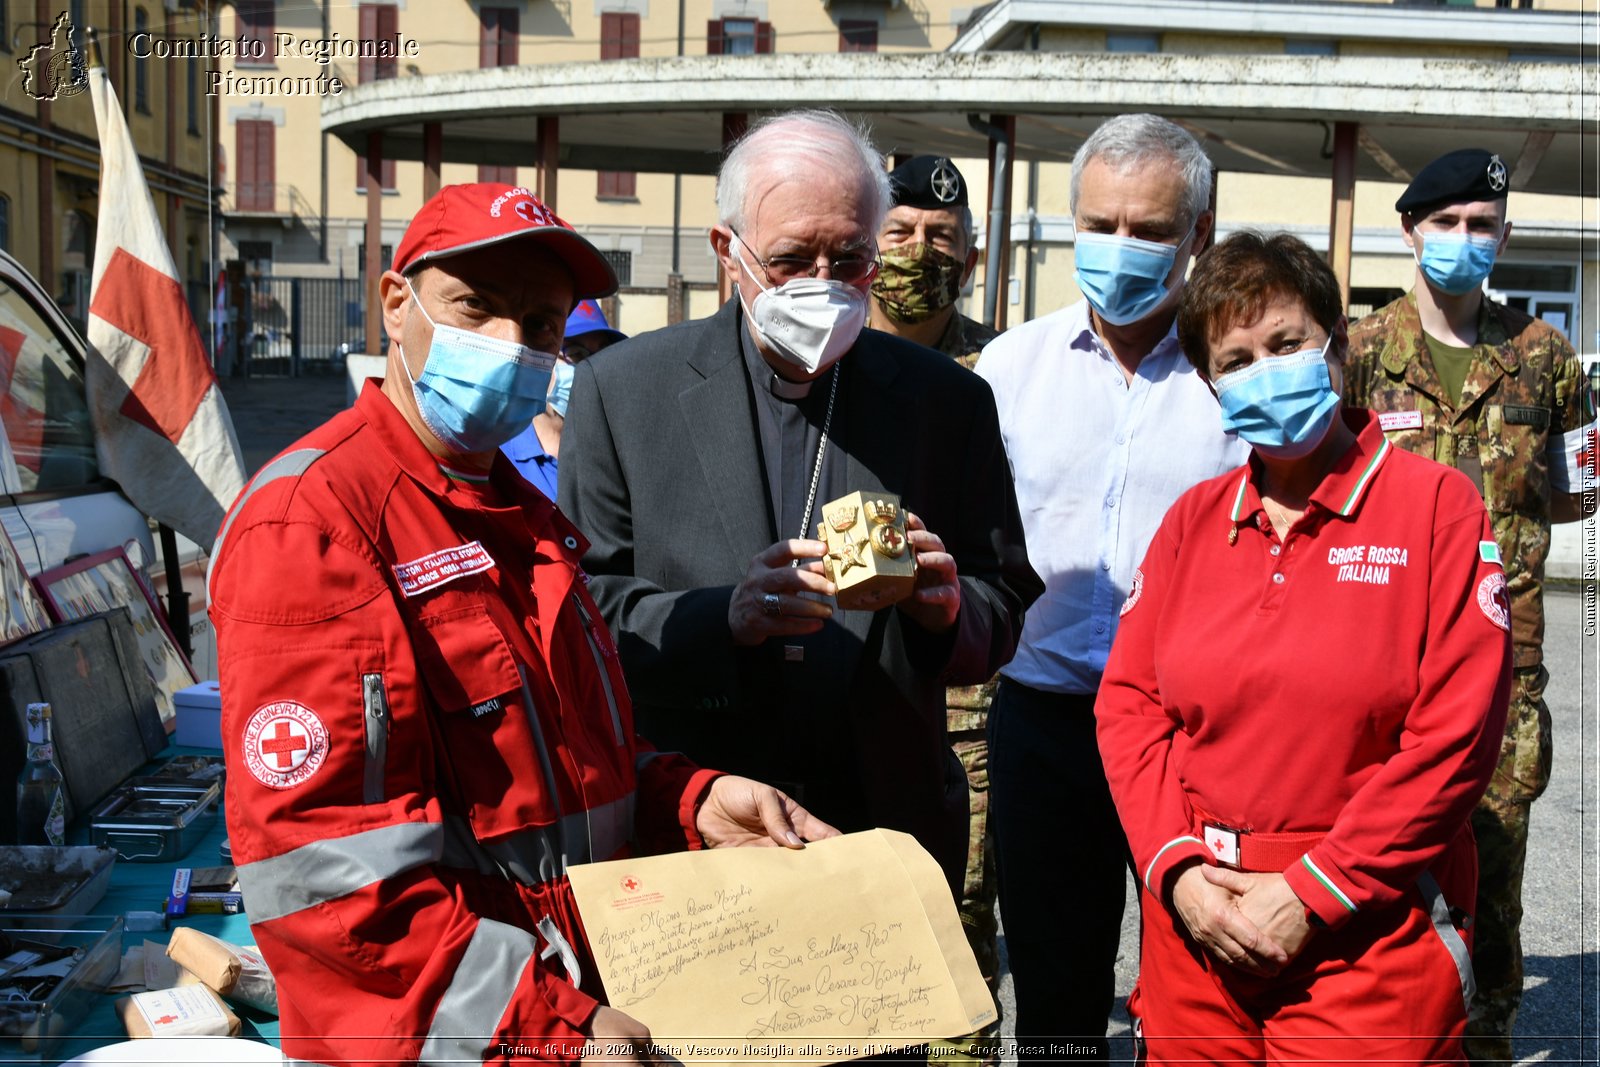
(723, 429)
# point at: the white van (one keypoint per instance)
(55, 505)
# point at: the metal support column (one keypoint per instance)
(374, 266)
(1002, 133)
(432, 158)
(1341, 225)
(548, 133)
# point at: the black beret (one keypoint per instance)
(1458, 177)
(930, 182)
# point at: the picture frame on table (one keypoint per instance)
(22, 611)
(104, 581)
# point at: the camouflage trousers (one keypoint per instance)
(967, 709)
(1500, 825)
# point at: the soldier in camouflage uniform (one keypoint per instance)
(927, 251)
(1502, 397)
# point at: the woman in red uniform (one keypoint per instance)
(1303, 704)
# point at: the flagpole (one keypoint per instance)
(177, 606)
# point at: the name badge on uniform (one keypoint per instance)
(445, 565)
(1400, 420)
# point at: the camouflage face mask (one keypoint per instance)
(916, 282)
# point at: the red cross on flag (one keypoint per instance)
(161, 425)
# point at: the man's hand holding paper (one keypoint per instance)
(849, 948)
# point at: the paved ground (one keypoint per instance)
(1561, 1007)
(269, 414)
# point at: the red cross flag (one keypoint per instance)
(161, 426)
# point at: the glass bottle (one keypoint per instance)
(41, 795)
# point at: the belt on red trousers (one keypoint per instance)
(1251, 850)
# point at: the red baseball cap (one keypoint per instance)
(461, 218)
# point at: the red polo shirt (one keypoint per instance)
(1350, 680)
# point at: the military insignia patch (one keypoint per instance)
(1496, 174)
(946, 182)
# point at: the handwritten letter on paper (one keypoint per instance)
(849, 948)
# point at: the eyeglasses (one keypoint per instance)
(578, 351)
(849, 269)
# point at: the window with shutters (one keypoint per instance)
(502, 175)
(257, 21)
(379, 22)
(617, 185)
(141, 67)
(619, 35)
(738, 37)
(858, 35)
(497, 36)
(254, 146)
(619, 39)
(386, 174)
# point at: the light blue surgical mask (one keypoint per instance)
(561, 387)
(1124, 278)
(1283, 406)
(1456, 263)
(477, 392)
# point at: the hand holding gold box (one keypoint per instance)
(869, 557)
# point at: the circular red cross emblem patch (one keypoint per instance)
(1494, 602)
(284, 744)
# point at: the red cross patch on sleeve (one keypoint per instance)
(285, 744)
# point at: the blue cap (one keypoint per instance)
(587, 318)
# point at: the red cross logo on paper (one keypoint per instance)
(166, 1020)
(630, 884)
(285, 744)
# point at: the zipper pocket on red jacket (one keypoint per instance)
(375, 700)
(602, 666)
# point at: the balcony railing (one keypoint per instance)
(266, 200)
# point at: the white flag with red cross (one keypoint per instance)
(162, 428)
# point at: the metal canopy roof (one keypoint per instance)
(1257, 114)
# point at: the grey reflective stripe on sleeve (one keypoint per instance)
(599, 833)
(1439, 912)
(327, 870)
(541, 855)
(375, 699)
(486, 979)
(289, 465)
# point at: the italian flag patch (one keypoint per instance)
(1489, 552)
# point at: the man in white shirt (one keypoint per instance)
(1105, 424)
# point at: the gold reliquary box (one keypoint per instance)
(868, 557)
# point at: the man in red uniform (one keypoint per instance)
(1303, 704)
(424, 718)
